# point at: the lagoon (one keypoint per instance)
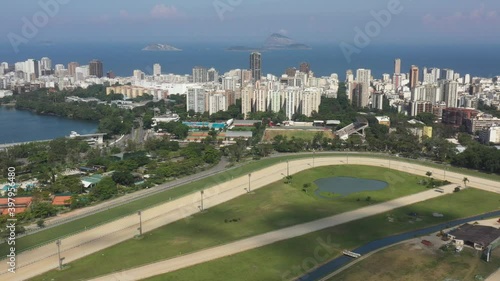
(24, 126)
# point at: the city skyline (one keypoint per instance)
(246, 21)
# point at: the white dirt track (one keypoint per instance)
(39, 260)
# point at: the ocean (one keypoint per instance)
(123, 58)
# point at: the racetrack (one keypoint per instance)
(42, 259)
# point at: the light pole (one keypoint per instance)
(58, 243)
(201, 206)
(139, 213)
(348, 156)
(249, 176)
(314, 154)
(287, 168)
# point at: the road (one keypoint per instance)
(34, 262)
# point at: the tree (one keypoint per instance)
(429, 174)
(465, 180)
(40, 223)
(67, 184)
(43, 210)
(104, 190)
(123, 177)
(427, 118)
(211, 155)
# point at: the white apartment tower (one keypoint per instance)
(156, 69)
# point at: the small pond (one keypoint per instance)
(346, 185)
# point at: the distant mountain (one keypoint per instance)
(160, 47)
(275, 41)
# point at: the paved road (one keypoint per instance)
(39, 260)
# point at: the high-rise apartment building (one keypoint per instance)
(196, 100)
(96, 68)
(46, 64)
(451, 93)
(72, 68)
(397, 66)
(246, 99)
(414, 76)
(156, 69)
(212, 75)
(363, 78)
(200, 74)
(256, 65)
(217, 102)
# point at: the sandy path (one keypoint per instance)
(34, 262)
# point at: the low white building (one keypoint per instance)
(490, 135)
(5, 93)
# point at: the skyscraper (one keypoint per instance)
(363, 77)
(413, 76)
(96, 68)
(256, 65)
(451, 93)
(200, 74)
(397, 66)
(32, 69)
(72, 68)
(156, 69)
(213, 75)
(45, 64)
(196, 100)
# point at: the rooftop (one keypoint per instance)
(478, 234)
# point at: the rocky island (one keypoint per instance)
(275, 41)
(161, 47)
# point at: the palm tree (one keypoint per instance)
(465, 181)
(429, 174)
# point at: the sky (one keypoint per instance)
(239, 21)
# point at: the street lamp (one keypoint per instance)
(58, 243)
(201, 206)
(287, 168)
(140, 222)
(249, 176)
(314, 154)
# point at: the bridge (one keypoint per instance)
(357, 127)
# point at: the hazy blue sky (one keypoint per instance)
(422, 21)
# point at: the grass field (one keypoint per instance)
(294, 257)
(413, 262)
(54, 233)
(302, 134)
(273, 207)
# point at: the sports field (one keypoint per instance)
(288, 259)
(308, 135)
(275, 206)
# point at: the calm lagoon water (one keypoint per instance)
(347, 185)
(22, 126)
